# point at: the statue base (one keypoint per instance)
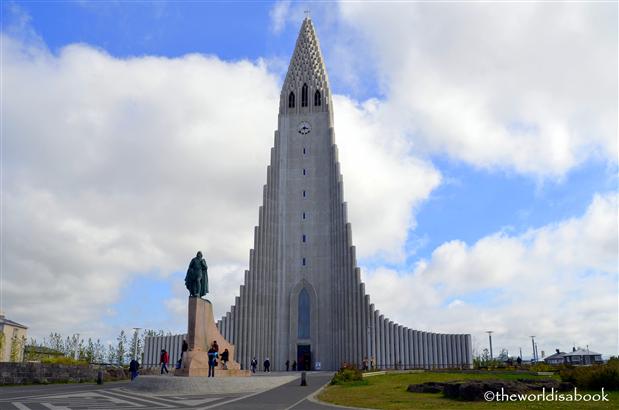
(201, 332)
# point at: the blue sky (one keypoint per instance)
(472, 192)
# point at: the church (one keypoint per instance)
(302, 298)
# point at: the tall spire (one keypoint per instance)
(306, 66)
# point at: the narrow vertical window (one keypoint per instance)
(304, 315)
(303, 215)
(317, 98)
(304, 238)
(303, 261)
(304, 194)
(304, 95)
(291, 100)
(304, 173)
(304, 151)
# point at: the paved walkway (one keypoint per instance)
(116, 396)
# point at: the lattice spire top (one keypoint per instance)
(306, 64)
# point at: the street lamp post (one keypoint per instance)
(490, 340)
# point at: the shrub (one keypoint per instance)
(542, 367)
(594, 377)
(64, 360)
(347, 374)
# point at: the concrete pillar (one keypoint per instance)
(388, 345)
(418, 350)
(459, 357)
(404, 345)
(396, 346)
(411, 347)
(372, 331)
(469, 351)
(434, 350)
(406, 360)
(449, 355)
(393, 345)
(381, 341)
(444, 344)
(426, 353)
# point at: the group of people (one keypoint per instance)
(213, 355)
(266, 365)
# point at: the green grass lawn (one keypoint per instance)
(389, 392)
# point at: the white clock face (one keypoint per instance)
(304, 128)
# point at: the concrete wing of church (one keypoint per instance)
(302, 299)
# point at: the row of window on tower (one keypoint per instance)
(304, 98)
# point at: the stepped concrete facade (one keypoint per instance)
(302, 298)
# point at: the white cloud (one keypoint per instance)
(530, 88)
(123, 167)
(278, 15)
(558, 282)
(381, 178)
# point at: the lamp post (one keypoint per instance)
(490, 340)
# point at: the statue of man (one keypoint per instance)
(203, 277)
(196, 273)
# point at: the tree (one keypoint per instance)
(17, 348)
(136, 345)
(111, 354)
(89, 352)
(121, 347)
(55, 342)
(99, 352)
(503, 356)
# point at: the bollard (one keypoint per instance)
(303, 379)
(100, 377)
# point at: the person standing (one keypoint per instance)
(294, 366)
(164, 359)
(212, 361)
(267, 365)
(224, 359)
(287, 365)
(133, 368)
(254, 364)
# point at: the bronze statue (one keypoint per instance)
(196, 279)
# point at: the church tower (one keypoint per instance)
(302, 298)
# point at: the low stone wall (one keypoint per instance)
(43, 373)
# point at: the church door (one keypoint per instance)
(304, 357)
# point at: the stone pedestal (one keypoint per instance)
(201, 332)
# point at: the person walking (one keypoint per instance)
(287, 365)
(133, 368)
(212, 361)
(224, 359)
(267, 365)
(164, 359)
(254, 364)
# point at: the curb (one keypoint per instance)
(314, 399)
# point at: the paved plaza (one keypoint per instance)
(118, 396)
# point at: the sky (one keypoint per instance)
(478, 145)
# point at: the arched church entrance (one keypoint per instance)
(303, 325)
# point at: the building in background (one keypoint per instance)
(12, 340)
(575, 357)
